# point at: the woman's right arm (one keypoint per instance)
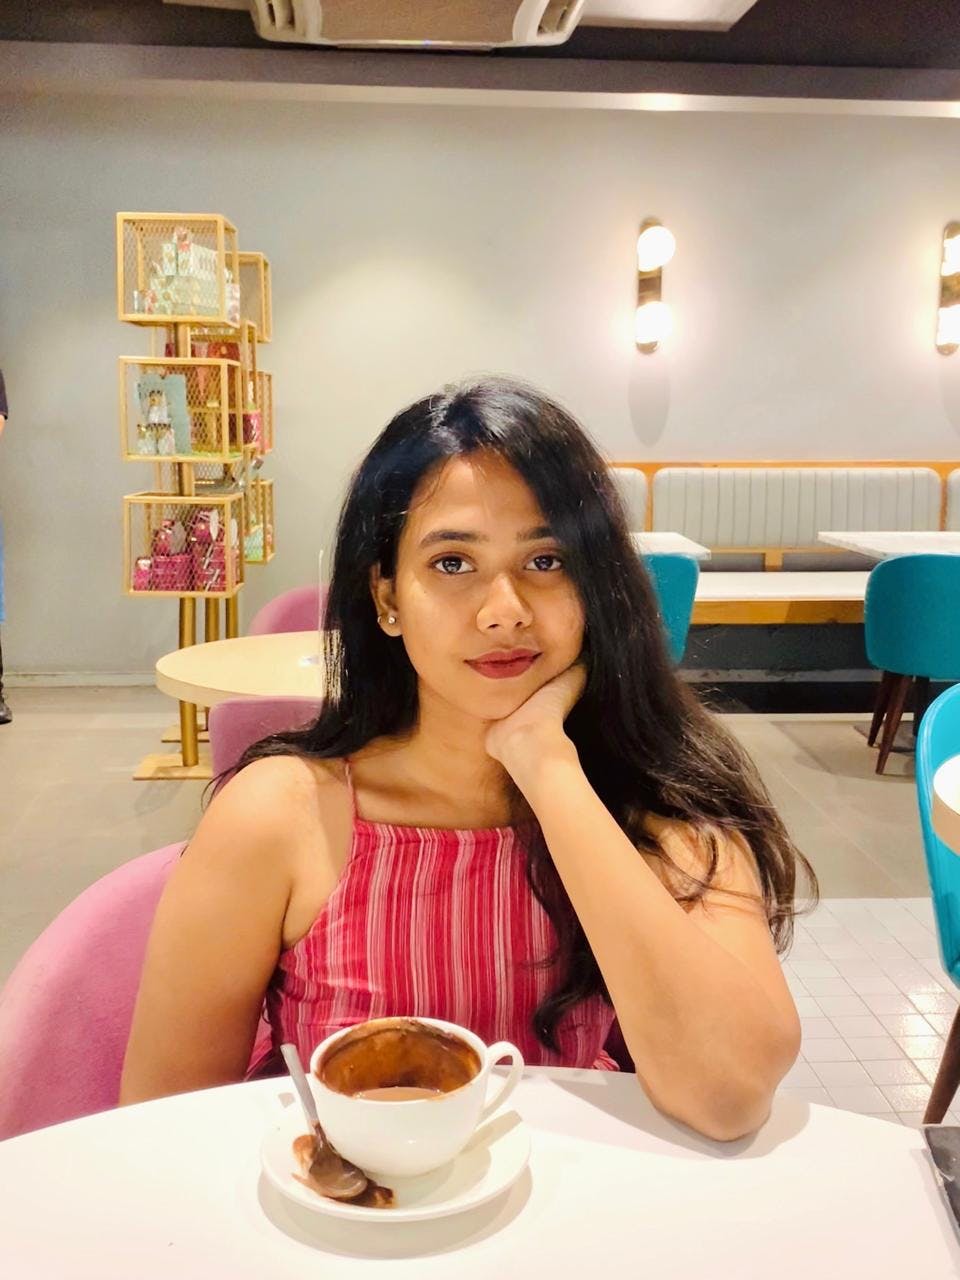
(216, 939)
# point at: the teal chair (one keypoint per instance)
(938, 740)
(911, 624)
(674, 579)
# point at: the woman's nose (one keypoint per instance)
(503, 606)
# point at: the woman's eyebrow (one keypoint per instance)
(463, 535)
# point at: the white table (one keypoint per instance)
(172, 1188)
(945, 810)
(880, 545)
(274, 666)
(782, 584)
(665, 543)
(779, 595)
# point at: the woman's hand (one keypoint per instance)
(537, 724)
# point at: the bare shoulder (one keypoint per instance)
(277, 833)
(272, 802)
(694, 853)
(283, 779)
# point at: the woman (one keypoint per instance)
(514, 815)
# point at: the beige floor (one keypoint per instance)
(69, 811)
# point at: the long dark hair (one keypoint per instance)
(646, 744)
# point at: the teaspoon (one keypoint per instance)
(328, 1172)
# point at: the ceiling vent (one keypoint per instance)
(466, 24)
(417, 24)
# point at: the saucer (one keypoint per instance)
(492, 1161)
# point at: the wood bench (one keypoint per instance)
(776, 509)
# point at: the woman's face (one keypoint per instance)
(479, 576)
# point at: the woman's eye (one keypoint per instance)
(547, 567)
(451, 565)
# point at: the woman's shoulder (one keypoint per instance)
(289, 773)
(287, 819)
(270, 790)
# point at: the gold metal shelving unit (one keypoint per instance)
(200, 409)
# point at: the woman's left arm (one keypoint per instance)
(702, 1001)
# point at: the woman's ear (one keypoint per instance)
(382, 591)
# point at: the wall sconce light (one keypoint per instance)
(948, 316)
(655, 248)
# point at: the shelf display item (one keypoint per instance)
(183, 268)
(183, 546)
(175, 392)
(188, 408)
(200, 410)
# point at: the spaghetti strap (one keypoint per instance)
(348, 777)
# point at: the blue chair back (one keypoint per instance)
(937, 740)
(674, 579)
(911, 618)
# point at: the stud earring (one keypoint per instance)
(391, 618)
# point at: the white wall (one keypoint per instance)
(416, 245)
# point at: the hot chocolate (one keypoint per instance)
(398, 1093)
(398, 1060)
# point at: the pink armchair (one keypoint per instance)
(66, 1010)
(295, 610)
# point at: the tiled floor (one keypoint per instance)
(875, 1006)
(874, 1001)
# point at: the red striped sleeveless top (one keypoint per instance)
(433, 923)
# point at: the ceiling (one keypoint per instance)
(893, 57)
(901, 34)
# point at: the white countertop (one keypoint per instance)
(666, 543)
(173, 1189)
(782, 584)
(882, 544)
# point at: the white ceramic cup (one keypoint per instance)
(404, 1139)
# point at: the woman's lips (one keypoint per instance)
(504, 670)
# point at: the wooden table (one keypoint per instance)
(880, 545)
(664, 543)
(173, 1188)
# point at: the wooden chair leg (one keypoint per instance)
(898, 700)
(948, 1076)
(880, 706)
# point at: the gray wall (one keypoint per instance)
(416, 245)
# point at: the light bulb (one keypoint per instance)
(653, 321)
(655, 247)
(948, 326)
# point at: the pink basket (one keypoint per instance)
(172, 573)
(252, 428)
(210, 567)
(143, 574)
